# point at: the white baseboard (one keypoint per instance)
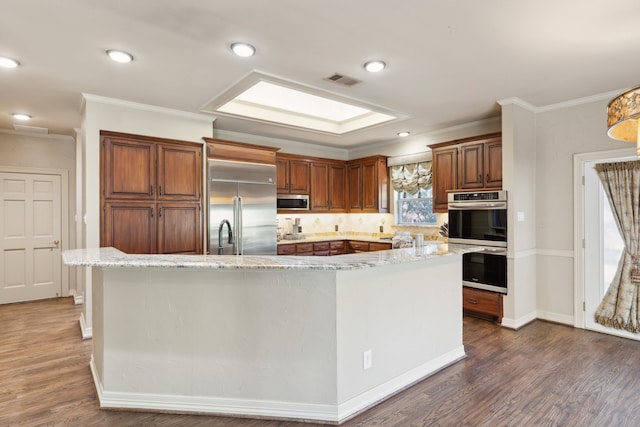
(556, 318)
(85, 330)
(271, 409)
(77, 299)
(519, 322)
(383, 391)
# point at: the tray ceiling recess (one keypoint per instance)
(264, 98)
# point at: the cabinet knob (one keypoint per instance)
(487, 178)
(479, 178)
(472, 301)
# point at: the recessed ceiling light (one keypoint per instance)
(20, 116)
(120, 56)
(8, 62)
(374, 66)
(404, 133)
(243, 49)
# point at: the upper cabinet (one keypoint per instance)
(466, 164)
(292, 175)
(328, 187)
(368, 185)
(336, 186)
(151, 194)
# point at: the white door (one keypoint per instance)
(30, 230)
(602, 249)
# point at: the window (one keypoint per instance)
(415, 209)
(413, 194)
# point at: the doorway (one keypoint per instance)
(600, 241)
(32, 228)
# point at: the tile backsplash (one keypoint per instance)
(360, 223)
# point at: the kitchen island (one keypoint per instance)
(311, 338)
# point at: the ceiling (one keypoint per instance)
(449, 61)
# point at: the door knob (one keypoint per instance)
(56, 242)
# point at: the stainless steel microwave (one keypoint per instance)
(293, 202)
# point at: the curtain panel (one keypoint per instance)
(619, 307)
(410, 178)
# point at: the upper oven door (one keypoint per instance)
(478, 223)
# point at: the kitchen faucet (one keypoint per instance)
(222, 223)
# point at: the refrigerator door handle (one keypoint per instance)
(235, 226)
(240, 225)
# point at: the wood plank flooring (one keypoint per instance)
(542, 375)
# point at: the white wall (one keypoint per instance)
(29, 150)
(121, 116)
(561, 132)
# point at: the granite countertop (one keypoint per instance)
(330, 237)
(111, 257)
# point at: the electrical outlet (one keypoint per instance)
(366, 360)
(336, 227)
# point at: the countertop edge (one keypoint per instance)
(113, 258)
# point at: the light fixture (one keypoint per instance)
(20, 116)
(374, 66)
(243, 49)
(8, 62)
(403, 133)
(623, 115)
(120, 56)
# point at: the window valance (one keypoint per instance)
(411, 177)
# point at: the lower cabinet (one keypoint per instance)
(150, 228)
(335, 247)
(480, 303)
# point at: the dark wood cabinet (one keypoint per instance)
(179, 228)
(292, 175)
(129, 226)
(493, 164)
(132, 167)
(445, 175)
(335, 247)
(480, 303)
(466, 164)
(471, 169)
(369, 185)
(179, 172)
(151, 194)
(328, 185)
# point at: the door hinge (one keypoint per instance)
(583, 180)
(583, 245)
(584, 306)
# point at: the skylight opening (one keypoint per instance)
(288, 104)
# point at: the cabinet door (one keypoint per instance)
(282, 176)
(129, 227)
(445, 166)
(128, 169)
(493, 164)
(355, 188)
(337, 187)
(299, 176)
(179, 172)
(369, 187)
(179, 228)
(319, 196)
(471, 166)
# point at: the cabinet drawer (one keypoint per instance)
(321, 253)
(359, 246)
(337, 245)
(482, 302)
(379, 246)
(337, 252)
(322, 246)
(286, 249)
(304, 248)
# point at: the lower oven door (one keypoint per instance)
(485, 270)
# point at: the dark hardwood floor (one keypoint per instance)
(542, 375)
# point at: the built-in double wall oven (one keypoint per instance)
(480, 219)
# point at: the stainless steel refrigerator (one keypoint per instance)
(242, 208)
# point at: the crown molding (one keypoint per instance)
(145, 107)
